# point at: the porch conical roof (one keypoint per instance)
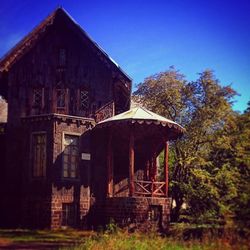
(141, 115)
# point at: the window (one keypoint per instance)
(84, 100)
(37, 101)
(39, 155)
(68, 214)
(70, 156)
(62, 57)
(60, 98)
(155, 213)
(37, 97)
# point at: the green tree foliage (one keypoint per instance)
(209, 168)
(231, 155)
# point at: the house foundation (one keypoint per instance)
(138, 211)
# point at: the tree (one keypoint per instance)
(231, 155)
(248, 108)
(202, 107)
(242, 163)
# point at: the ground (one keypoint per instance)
(41, 239)
(112, 239)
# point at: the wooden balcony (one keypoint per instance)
(150, 188)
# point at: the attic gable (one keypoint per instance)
(37, 33)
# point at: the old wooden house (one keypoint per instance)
(62, 162)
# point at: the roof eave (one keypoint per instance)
(140, 121)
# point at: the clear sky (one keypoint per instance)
(146, 37)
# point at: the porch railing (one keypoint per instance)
(150, 188)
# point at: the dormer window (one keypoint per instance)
(62, 57)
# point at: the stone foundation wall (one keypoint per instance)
(138, 210)
(79, 196)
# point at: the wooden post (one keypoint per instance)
(166, 167)
(131, 164)
(147, 173)
(110, 166)
(153, 172)
(154, 167)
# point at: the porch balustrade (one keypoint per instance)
(150, 188)
(142, 188)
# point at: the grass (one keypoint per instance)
(139, 241)
(122, 240)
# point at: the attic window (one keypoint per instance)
(37, 97)
(60, 98)
(62, 57)
(84, 100)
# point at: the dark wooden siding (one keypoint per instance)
(85, 68)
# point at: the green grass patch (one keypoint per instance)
(139, 241)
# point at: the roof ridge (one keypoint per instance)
(147, 111)
(136, 110)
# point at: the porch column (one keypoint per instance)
(131, 164)
(147, 171)
(153, 173)
(166, 167)
(154, 167)
(110, 166)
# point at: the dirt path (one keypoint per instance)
(8, 244)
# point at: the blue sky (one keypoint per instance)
(146, 37)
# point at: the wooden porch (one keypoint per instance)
(133, 140)
(132, 186)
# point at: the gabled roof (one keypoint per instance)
(141, 115)
(28, 41)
